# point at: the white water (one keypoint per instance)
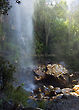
(21, 17)
(23, 23)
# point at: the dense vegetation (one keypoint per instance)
(57, 32)
(56, 37)
(4, 6)
(6, 73)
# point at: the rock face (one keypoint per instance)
(64, 103)
(55, 69)
(8, 105)
(55, 72)
(56, 87)
(30, 108)
(50, 93)
(76, 89)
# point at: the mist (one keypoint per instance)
(20, 21)
(24, 34)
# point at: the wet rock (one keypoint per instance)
(74, 78)
(66, 90)
(43, 93)
(76, 87)
(18, 1)
(31, 108)
(36, 91)
(59, 96)
(31, 103)
(74, 94)
(76, 90)
(64, 103)
(55, 74)
(8, 105)
(54, 81)
(18, 107)
(58, 90)
(56, 70)
(51, 87)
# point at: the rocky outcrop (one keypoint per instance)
(65, 102)
(56, 86)
(54, 74)
(9, 105)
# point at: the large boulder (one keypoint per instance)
(54, 73)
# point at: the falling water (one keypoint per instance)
(24, 25)
(20, 16)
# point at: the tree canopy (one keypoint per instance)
(57, 31)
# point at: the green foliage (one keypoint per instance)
(41, 104)
(38, 47)
(4, 6)
(8, 44)
(18, 95)
(57, 30)
(47, 22)
(6, 72)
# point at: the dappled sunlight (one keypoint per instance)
(39, 54)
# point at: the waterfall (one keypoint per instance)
(23, 14)
(20, 20)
